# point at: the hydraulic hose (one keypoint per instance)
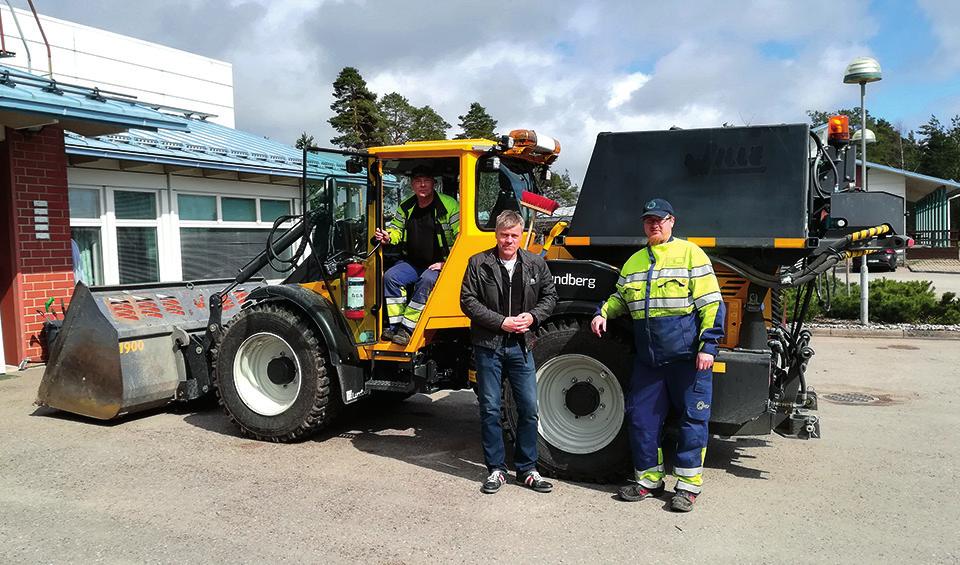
(748, 272)
(276, 262)
(834, 254)
(816, 177)
(869, 233)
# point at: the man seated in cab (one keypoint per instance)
(425, 227)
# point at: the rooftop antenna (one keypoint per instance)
(44, 36)
(3, 43)
(23, 38)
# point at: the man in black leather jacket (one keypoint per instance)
(507, 292)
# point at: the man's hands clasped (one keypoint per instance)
(517, 324)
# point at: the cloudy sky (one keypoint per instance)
(568, 69)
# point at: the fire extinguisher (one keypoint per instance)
(353, 292)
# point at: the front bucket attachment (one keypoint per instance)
(119, 350)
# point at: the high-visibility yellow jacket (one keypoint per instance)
(673, 297)
(446, 218)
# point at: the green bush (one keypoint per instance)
(890, 302)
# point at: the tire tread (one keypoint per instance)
(324, 407)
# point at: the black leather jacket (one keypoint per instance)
(480, 296)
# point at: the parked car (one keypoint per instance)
(887, 260)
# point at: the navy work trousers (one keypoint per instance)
(653, 390)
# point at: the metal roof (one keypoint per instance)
(912, 175)
(28, 100)
(209, 146)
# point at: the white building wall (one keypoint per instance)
(166, 187)
(883, 181)
(93, 57)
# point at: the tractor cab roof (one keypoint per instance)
(437, 148)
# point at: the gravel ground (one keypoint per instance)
(402, 486)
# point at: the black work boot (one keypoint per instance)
(532, 480)
(635, 492)
(493, 483)
(387, 334)
(682, 501)
(401, 337)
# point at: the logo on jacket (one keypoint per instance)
(701, 405)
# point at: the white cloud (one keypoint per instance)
(584, 19)
(944, 16)
(623, 89)
(568, 69)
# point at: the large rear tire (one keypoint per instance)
(580, 391)
(271, 375)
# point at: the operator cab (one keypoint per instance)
(446, 175)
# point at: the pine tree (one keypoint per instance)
(940, 148)
(304, 141)
(477, 124)
(562, 189)
(399, 116)
(357, 118)
(428, 125)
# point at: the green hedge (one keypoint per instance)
(890, 302)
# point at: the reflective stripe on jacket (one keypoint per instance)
(446, 215)
(672, 294)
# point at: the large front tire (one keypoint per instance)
(581, 381)
(271, 375)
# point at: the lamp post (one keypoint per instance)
(871, 138)
(861, 71)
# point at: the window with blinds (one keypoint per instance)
(210, 253)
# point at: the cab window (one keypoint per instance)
(500, 182)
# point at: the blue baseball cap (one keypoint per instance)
(658, 207)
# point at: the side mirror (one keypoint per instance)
(354, 165)
(490, 165)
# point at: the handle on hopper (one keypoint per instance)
(554, 232)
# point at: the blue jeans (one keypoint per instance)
(512, 362)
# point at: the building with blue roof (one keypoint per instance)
(172, 205)
(104, 188)
(205, 145)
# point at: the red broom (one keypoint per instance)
(536, 203)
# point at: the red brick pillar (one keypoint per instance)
(33, 168)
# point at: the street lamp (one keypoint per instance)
(861, 71)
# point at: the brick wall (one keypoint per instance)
(35, 167)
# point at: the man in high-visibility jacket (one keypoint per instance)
(672, 294)
(425, 225)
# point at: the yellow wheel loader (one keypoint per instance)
(773, 206)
